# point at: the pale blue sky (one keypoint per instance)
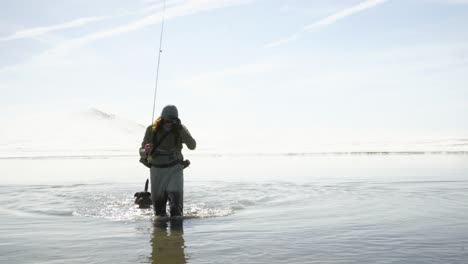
(256, 66)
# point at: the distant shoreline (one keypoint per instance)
(286, 154)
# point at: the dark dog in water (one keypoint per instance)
(143, 199)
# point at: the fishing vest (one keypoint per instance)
(177, 139)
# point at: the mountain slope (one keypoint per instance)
(90, 132)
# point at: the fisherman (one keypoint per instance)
(161, 151)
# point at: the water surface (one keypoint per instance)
(239, 209)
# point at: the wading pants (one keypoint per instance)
(167, 185)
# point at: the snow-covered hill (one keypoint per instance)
(90, 132)
(93, 133)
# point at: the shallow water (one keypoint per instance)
(239, 209)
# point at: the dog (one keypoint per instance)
(143, 199)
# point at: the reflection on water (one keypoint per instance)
(168, 241)
(392, 209)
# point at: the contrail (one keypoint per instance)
(80, 22)
(37, 31)
(179, 9)
(328, 21)
(345, 13)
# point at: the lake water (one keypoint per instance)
(239, 209)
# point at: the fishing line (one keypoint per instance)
(159, 59)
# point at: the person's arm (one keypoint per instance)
(144, 145)
(187, 138)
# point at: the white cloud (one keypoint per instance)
(186, 8)
(175, 9)
(329, 20)
(80, 22)
(345, 13)
(37, 31)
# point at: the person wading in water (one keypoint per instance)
(161, 151)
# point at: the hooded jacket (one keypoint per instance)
(170, 148)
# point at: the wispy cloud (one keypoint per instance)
(80, 22)
(185, 8)
(182, 9)
(37, 31)
(329, 20)
(345, 13)
(175, 9)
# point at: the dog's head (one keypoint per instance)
(143, 199)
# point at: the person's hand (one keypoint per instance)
(148, 148)
(178, 124)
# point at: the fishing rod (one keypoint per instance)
(159, 59)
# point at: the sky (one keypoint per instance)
(246, 71)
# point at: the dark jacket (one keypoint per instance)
(169, 149)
